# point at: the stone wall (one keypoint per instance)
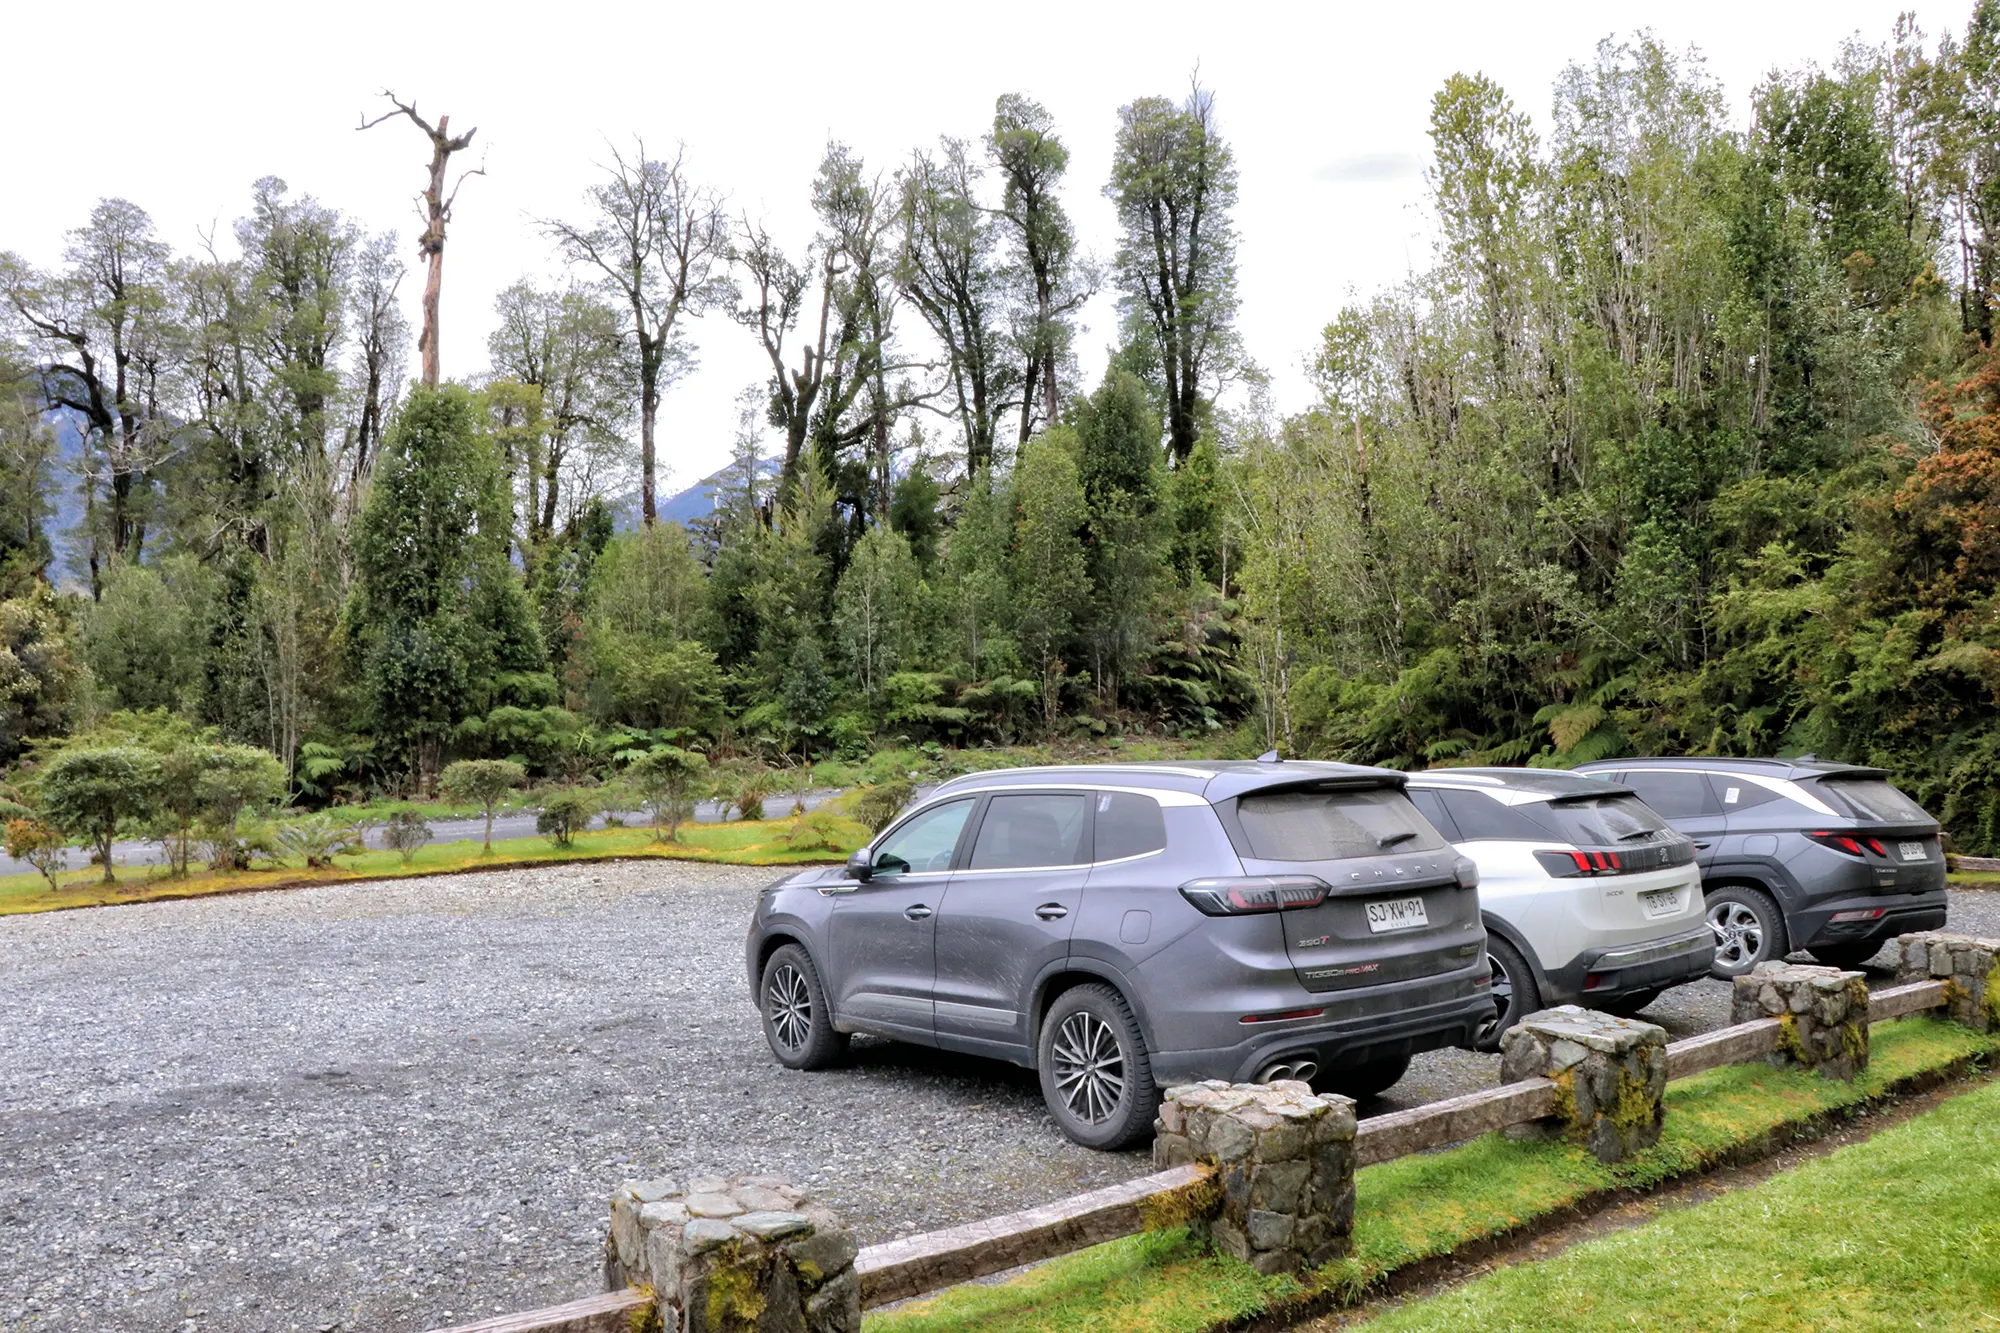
(1823, 1012)
(1284, 1160)
(734, 1255)
(1968, 965)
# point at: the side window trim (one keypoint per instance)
(961, 856)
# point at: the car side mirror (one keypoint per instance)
(861, 865)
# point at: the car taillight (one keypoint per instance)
(1243, 895)
(1849, 843)
(1565, 864)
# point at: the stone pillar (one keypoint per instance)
(1284, 1160)
(1968, 966)
(746, 1254)
(1823, 1011)
(1611, 1074)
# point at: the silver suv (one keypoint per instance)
(1122, 928)
(1797, 853)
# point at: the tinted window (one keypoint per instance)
(925, 842)
(1479, 816)
(1602, 821)
(1738, 793)
(1036, 830)
(1431, 806)
(1872, 798)
(1330, 825)
(1675, 795)
(1128, 825)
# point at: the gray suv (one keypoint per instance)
(1797, 853)
(1122, 928)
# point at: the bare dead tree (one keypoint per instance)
(436, 212)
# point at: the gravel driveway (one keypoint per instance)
(391, 1106)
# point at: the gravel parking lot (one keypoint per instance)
(393, 1106)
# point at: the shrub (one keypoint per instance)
(31, 840)
(670, 781)
(405, 831)
(564, 815)
(751, 794)
(316, 839)
(818, 831)
(485, 783)
(880, 804)
(86, 792)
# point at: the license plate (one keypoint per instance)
(1661, 902)
(1397, 914)
(1912, 851)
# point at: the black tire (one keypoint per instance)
(1749, 930)
(1845, 955)
(1364, 1081)
(1096, 1075)
(1516, 994)
(798, 1022)
(1625, 1006)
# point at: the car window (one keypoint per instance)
(925, 842)
(1677, 795)
(1603, 821)
(1431, 806)
(1332, 825)
(1042, 829)
(1127, 825)
(1480, 817)
(1872, 798)
(1736, 793)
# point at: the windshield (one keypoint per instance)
(1333, 825)
(1873, 798)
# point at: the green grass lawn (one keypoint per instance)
(762, 843)
(1900, 1232)
(1422, 1206)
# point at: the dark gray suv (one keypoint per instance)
(1797, 853)
(1122, 928)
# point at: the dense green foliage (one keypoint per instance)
(1686, 440)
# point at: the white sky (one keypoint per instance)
(179, 107)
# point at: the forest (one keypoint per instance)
(1685, 440)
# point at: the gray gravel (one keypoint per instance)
(398, 1105)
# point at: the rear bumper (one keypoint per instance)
(1814, 927)
(1607, 974)
(1425, 1015)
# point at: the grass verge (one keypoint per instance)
(1790, 1255)
(771, 842)
(1418, 1209)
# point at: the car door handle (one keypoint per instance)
(1051, 911)
(1701, 846)
(916, 912)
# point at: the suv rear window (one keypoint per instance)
(1128, 825)
(1480, 818)
(1872, 798)
(1333, 825)
(1602, 821)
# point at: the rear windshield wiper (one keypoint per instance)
(1395, 838)
(1642, 833)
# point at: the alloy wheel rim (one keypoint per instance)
(790, 1008)
(1503, 996)
(1089, 1068)
(1739, 934)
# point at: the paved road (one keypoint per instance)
(521, 824)
(390, 1106)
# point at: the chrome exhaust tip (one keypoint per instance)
(1304, 1070)
(1299, 1070)
(1272, 1073)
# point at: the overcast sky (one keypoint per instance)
(179, 107)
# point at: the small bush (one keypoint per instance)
(564, 815)
(316, 839)
(484, 783)
(405, 830)
(880, 804)
(30, 840)
(751, 795)
(670, 781)
(818, 831)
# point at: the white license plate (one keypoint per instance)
(1661, 902)
(1912, 851)
(1397, 914)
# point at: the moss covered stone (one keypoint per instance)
(1610, 1075)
